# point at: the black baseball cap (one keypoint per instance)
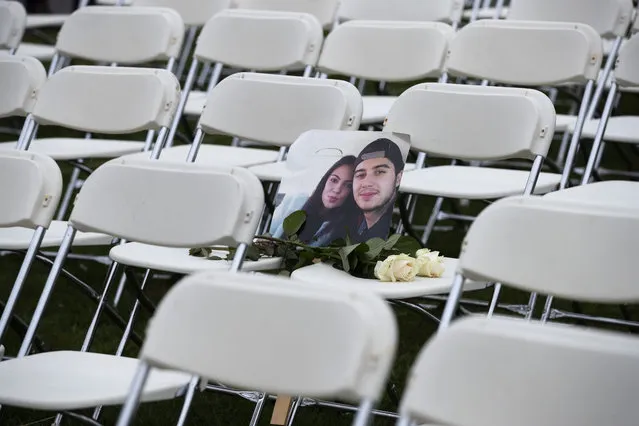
(382, 148)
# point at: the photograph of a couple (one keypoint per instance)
(346, 183)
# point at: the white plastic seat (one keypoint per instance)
(42, 52)
(356, 321)
(142, 201)
(376, 108)
(473, 183)
(178, 260)
(511, 52)
(607, 193)
(58, 381)
(18, 238)
(537, 363)
(158, 31)
(40, 20)
(320, 273)
(270, 108)
(499, 123)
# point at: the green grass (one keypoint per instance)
(69, 313)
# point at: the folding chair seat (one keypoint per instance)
(538, 363)
(357, 322)
(257, 40)
(324, 10)
(180, 205)
(606, 193)
(13, 17)
(266, 107)
(158, 33)
(499, 122)
(37, 20)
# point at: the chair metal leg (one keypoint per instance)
(188, 400)
(257, 412)
(363, 415)
(133, 399)
(127, 332)
(432, 220)
(34, 246)
(65, 246)
(68, 194)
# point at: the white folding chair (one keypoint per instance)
(522, 53)
(388, 51)
(157, 33)
(198, 328)
(262, 41)
(324, 10)
(266, 107)
(610, 18)
(20, 80)
(499, 122)
(30, 189)
(538, 364)
(532, 375)
(13, 17)
(106, 100)
(615, 128)
(139, 200)
(13, 23)
(98, 99)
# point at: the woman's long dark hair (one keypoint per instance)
(316, 213)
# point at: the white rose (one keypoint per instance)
(431, 264)
(400, 267)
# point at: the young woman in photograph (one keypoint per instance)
(330, 207)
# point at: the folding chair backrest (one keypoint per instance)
(277, 109)
(387, 50)
(610, 18)
(110, 100)
(566, 249)
(170, 204)
(126, 35)
(627, 70)
(528, 369)
(20, 80)
(448, 11)
(30, 188)
(193, 12)
(347, 336)
(324, 10)
(13, 21)
(526, 53)
(260, 40)
(498, 122)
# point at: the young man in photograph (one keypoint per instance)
(378, 172)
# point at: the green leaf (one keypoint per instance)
(408, 245)
(293, 222)
(392, 240)
(375, 247)
(345, 263)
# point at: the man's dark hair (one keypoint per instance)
(382, 148)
